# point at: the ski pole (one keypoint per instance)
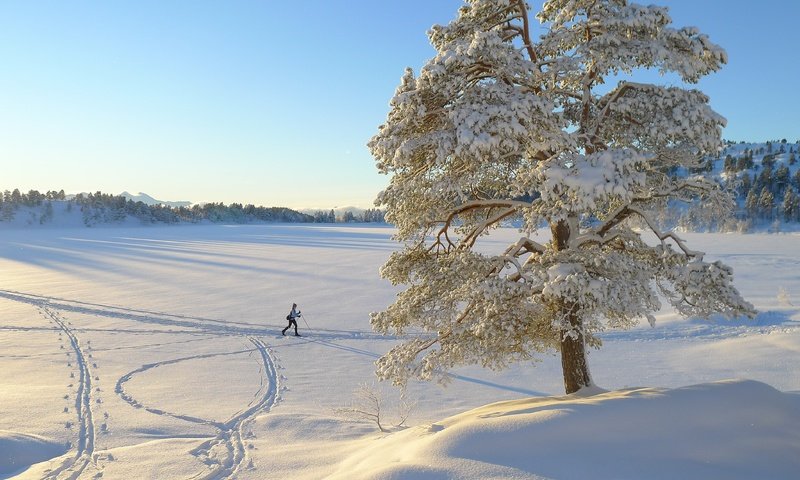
(303, 316)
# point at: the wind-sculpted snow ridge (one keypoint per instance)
(84, 448)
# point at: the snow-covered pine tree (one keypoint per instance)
(498, 127)
(791, 206)
(766, 202)
(751, 203)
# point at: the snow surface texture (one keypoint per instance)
(19, 450)
(157, 353)
(637, 433)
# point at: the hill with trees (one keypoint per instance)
(765, 180)
(763, 177)
(57, 208)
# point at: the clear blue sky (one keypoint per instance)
(272, 102)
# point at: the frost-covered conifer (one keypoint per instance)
(766, 202)
(791, 206)
(499, 127)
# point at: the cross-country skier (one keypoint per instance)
(292, 317)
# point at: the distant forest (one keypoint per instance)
(102, 208)
(763, 179)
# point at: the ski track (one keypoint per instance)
(704, 330)
(73, 467)
(231, 438)
(194, 325)
(226, 454)
(120, 388)
(766, 322)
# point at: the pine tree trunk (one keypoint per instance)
(573, 356)
(573, 345)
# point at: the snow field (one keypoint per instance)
(163, 345)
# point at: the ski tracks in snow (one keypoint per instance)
(83, 455)
(227, 453)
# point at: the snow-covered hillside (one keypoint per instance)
(764, 178)
(39, 210)
(157, 353)
(35, 209)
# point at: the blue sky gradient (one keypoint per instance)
(272, 103)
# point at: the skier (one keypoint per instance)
(292, 317)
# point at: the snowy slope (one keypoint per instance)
(20, 450)
(156, 353)
(780, 152)
(715, 430)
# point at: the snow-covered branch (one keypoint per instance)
(509, 207)
(605, 233)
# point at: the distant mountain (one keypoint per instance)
(148, 200)
(338, 211)
(345, 214)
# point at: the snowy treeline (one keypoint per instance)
(10, 203)
(369, 215)
(101, 208)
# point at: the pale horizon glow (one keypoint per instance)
(250, 102)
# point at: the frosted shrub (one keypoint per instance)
(369, 404)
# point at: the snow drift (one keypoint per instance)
(19, 450)
(730, 429)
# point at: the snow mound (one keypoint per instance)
(19, 450)
(736, 429)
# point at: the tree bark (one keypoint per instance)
(573, 356)
(573, 342)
